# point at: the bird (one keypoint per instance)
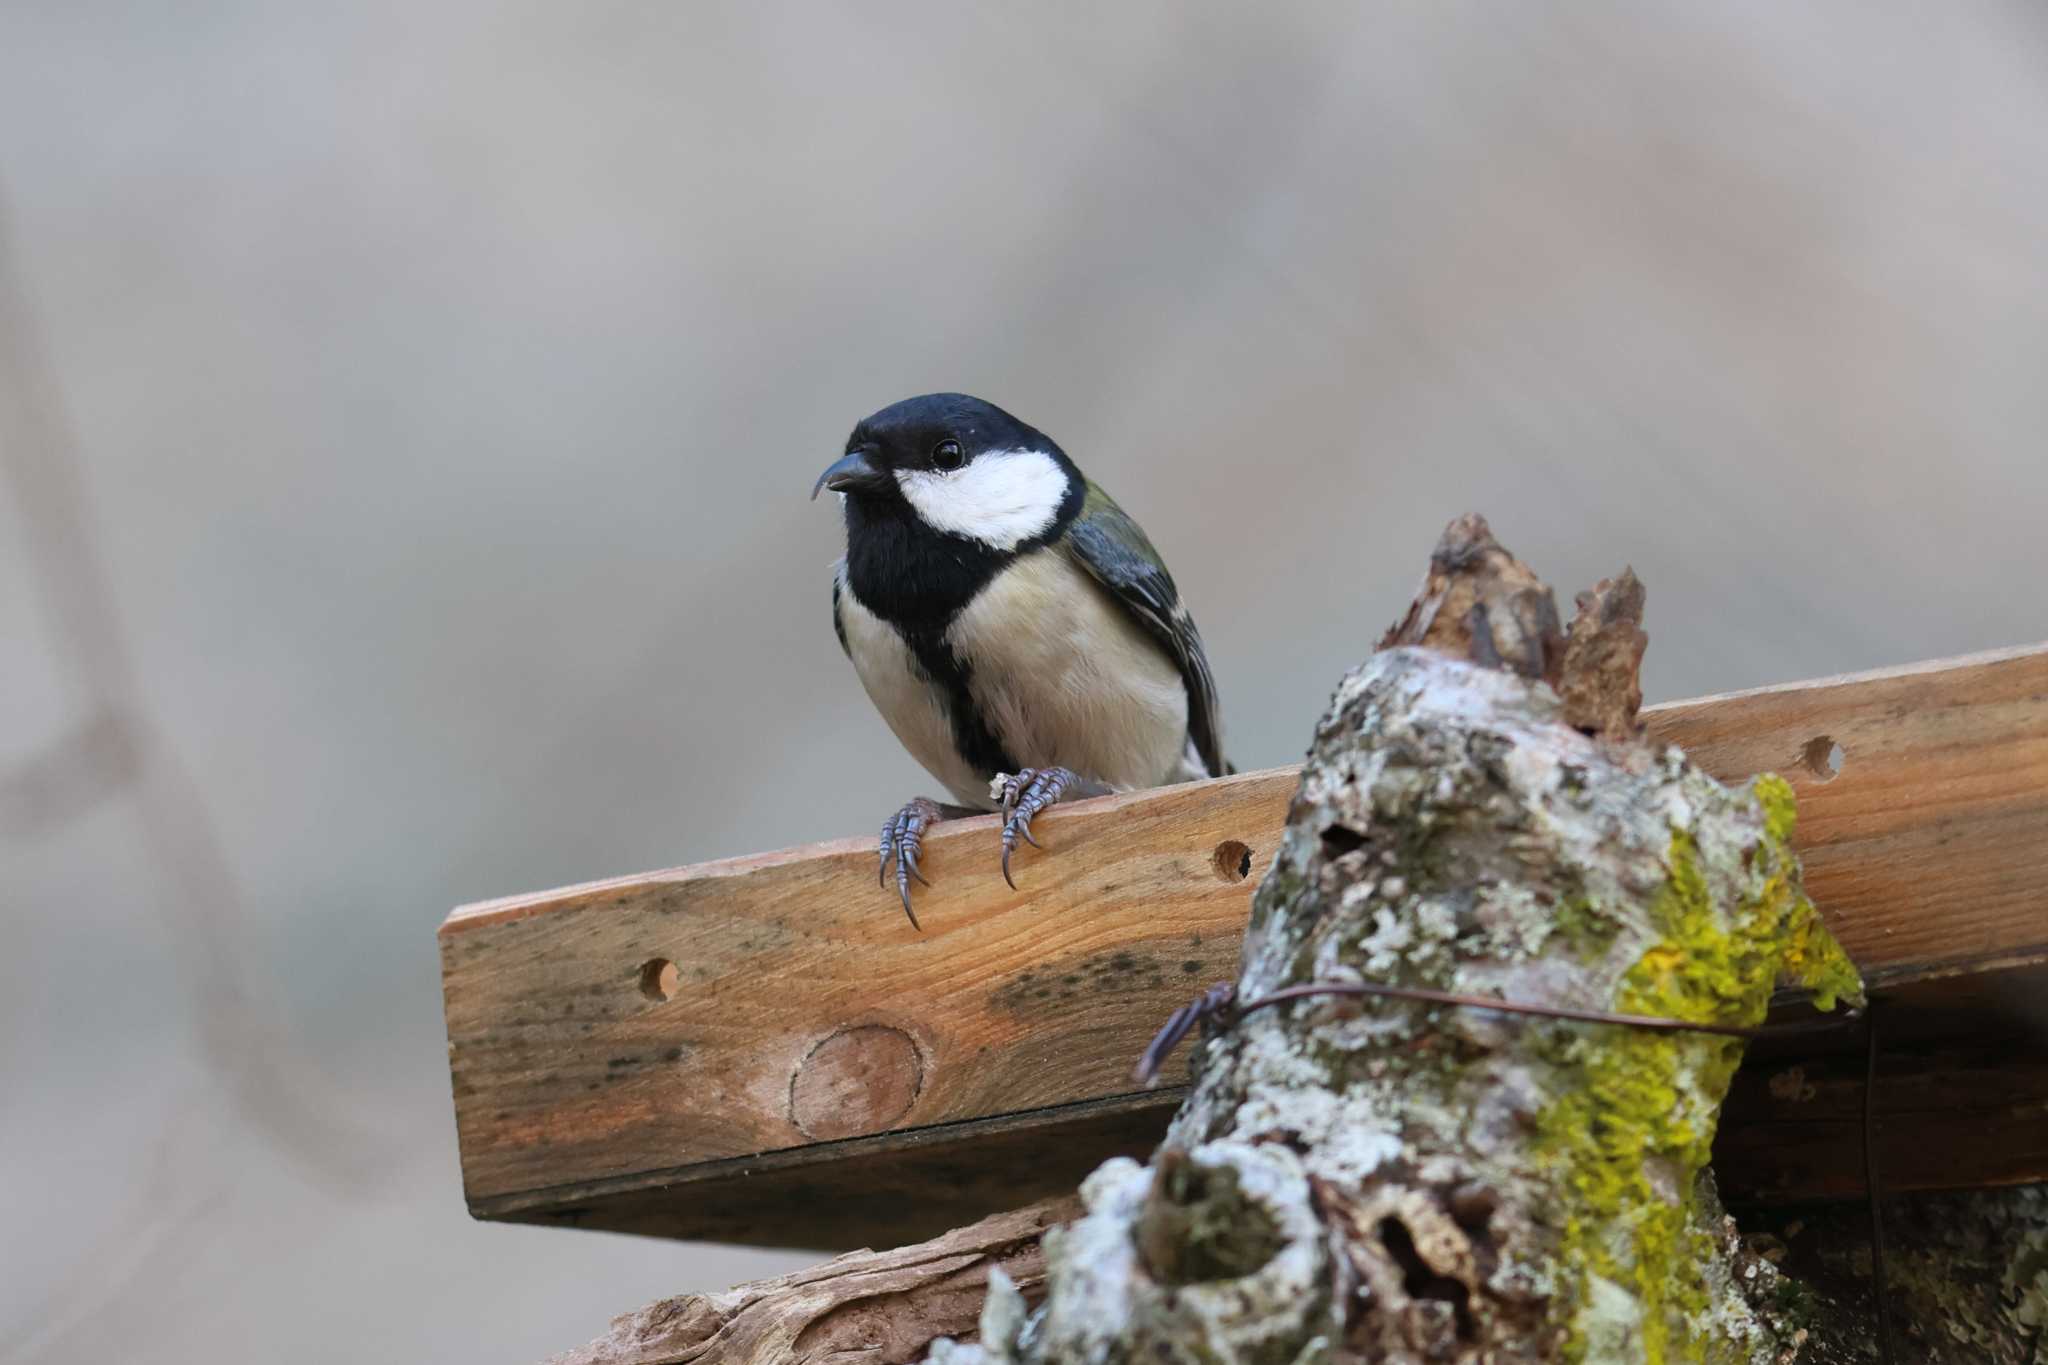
(1012, 624)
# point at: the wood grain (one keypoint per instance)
(566, 1070)
(611, 1041)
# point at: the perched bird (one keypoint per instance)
(1010, 622)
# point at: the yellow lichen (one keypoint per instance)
(1632, 1134)
(1780, 807)
(1811, 958)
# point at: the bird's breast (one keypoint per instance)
(1041, 667)
(1062, 674)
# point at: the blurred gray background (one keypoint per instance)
(408, 412)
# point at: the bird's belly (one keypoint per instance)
(909, 701)
(1063, 676)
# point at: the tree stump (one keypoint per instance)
(1405, 1182)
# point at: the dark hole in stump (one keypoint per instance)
(1199, 1226)
(1339, 840)
(1419, 1280)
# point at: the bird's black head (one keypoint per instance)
(955, 466)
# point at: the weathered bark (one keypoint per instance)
(864, 1308)
(1403, 1182)
(1601, 684)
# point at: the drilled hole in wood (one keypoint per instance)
(659, 978)
(1233, 861)
(1822, 758)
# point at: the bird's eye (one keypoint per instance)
(948, 455)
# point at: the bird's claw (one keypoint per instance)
(1025, 794)
(902, 842)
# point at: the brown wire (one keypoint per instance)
(1222, 996)
(1487, 1002)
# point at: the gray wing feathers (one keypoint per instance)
(1116, 553)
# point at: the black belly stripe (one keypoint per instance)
(945, 670)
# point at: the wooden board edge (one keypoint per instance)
(1890, 673)
(480, 914)
(477, 914)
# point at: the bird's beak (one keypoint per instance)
(850, 473)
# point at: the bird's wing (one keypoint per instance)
(1116, 553)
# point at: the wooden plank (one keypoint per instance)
(805, 1022)
(1947, 1118)
(1778, 1143)
(568, 1067)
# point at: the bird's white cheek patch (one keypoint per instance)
(1001, 498)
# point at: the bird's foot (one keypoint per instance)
(1026, 793)
(902, 842)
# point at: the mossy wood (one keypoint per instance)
(762, 1049)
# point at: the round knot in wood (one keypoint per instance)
(858, 1080)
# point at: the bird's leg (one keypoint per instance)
(903, 841)
(1026, 793)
